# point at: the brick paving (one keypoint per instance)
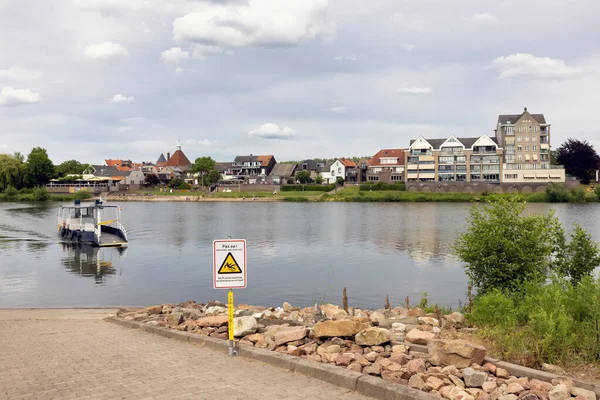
(74, 354)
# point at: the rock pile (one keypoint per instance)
(373, 342)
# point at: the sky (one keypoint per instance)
(98, 79)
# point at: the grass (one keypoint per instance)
(176, 192)
(30, 197)
(281, 195)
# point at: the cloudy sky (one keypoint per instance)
(96, 79)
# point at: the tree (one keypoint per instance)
(319, 179)
(580, 257)
(151, 179)
(70, 167)
(39, 168)
(203, 165)
(339, 180)
(176, 182)
(213, 177)
(579, 159)
(12, 171)
(503, 249)
(303, 177)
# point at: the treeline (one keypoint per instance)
(17, 173)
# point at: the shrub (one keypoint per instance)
(10, 192)
(40, 194)
(381, 186)
(556, 193)
(184, 186)
(597, 191)
(82, 195)
(176, 182)
(307, 188)
(580, 256)
(577, 195)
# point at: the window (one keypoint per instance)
(534, 147)
(510, 158)
(520, 129)
(534, 138)
(396, 178)
(510, 130)
(510, 149)
(373, 178)
(520, 157)
(446, 160)
(339, 170)
(333, 172)
(519, 148)
(511, 176)
(519, 138)
(535, 128)
(527, 138)
(461, 159)
(527, 148)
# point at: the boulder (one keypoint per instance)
(374, 369)
(416, 382)
(533, 395)
(462, 395)
(399, 348)
(216, 310)
(331, 311)
(416, 366)
(287, 307)
(376, 317)
(174, 319)
(579, 392)
(489, 386)
(372, 336)
(398, 377)
(341, 328)
(474, 378)
(434, 383)
(399, 358)
(191, 312)
(459, 353)
(371, 356)
(415, 312)
(514, 388)
(152, 310)
(559, 392)
(344, 360)
(540, 386)
(553, 369)
(408, 321)
(455, 318)
(428, 321)
(398, 326)
(508, 397)
(419, 337)
(456, 381)
(217, 321)
(356, 367)
(502, 373)
(289, 334)
(243, 326)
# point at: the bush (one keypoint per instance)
(176, 182)
(577, 195)
(40, 194)
(556, 193)
(10, 192)
(597, 191)
(381, 186)
(307, 188)
(82, 195)
(184, 186)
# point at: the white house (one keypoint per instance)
(331, 171)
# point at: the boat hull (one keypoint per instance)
(110, 237)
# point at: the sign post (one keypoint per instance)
(229, 272)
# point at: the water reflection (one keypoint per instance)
(87, 261)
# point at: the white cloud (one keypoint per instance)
(174, 55)
(271, 131)
(108, 52)
(109, 7)
(201, 142)
(527, 65)
(178, 70)
(408, 47)
(411, 22)
(265, 23)
(344, 58)
(203, 51)
(125, 128)
(19, 73)
(133, 120)
(337, 110)
(11, 97)
(415, 90)
(119, 98)
(3, 146)
(482, 18)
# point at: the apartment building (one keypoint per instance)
(525, 138)
(454, 159)
(386, 166)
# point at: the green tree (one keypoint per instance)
(39, 168)
(70, 167)
(579, 159)
(502, 249)
(12, 171)
(339, 180)
(176, 182)
(151, 179)
(319, 179)
(597, 190)
(303, 177)
(213, 177)
(580, 256)
(202, 166)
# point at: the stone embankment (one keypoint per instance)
(399, 345)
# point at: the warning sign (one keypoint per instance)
(229, 264)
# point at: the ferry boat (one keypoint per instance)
(97, 224)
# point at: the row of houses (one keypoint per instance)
(517, 152)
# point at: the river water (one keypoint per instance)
(297, 252)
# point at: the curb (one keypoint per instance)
(363, 384)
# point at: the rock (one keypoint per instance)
(455, 318)
(345, 359)
(399, 327)
(473, 391)
(257, 337)
(508, 397)
(580, 392)
(374, 369)
(399, 377)
(489, 386)
(416, 382)
(459, 353)
(377, 316)
(371, 356)
(152, 323)
(451, 370)
(409, 321)
(287, 307)
(341, 328)
(174, 319)
(416, 366)
(428, 321)
(533, 395)
(290, 334)
(419, 337)
(553, 369)
(456, 381)
(243, 326)
(399, 348)
(399, 358)
(377, 349)
(434, 383)
(559, 392)
(502, 373)
(483, 396)
(216, 310)
(372, 336)
(415, 312)
(355, 367)
(333, 349)
(541, 386)
(152, 310)
(331, 311)
(314, 357)
(192, 313)
(462, 395)
(474, 378)
(212, 321)
(309, 348)
(489, 367)
(564, 381)
(514, 388)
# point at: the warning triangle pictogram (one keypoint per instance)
(229, 266)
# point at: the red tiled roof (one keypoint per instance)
(265, 160)
(113, 163)
(347, 163)
(399, 153)
(178, 159)
(122, 168)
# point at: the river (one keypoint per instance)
(297, 252)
